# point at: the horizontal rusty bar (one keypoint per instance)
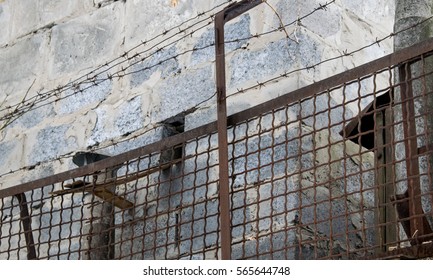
(112, 161)
(118, 201)
(336, 80)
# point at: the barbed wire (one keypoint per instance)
(313, 66)
(132, 136)
(129, 136)
(95, 81)
(90, 76)
(92, 82)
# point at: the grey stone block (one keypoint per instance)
(34, 117)
(204, 115)
(23, 60)
(250, 65)
(148, 137)
(289, 13)
(38, 173)
(262, 151)
(55, 11)
(74, 100)
(379, 11)
(308, 52)
(127, 119)
(150, 20)
(51, 143)
(326, 216)
(6, 150)
(25, 17)
(276, 58)
(182, 92)
(198, 230)
(411, 35)
(85, 42)
(30, 16)
(130, 116)
(316, 113)
(164, 61)
(276, 245)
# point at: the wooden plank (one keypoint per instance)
(99, 190)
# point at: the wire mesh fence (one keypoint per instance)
(340, 169)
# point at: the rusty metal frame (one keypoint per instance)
(411, 150)
(221, 19)
(290, 97)
(411, 54)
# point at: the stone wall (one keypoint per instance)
(49, 44)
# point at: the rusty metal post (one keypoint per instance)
(224, 195)
(411, 150)
(27, 226)
(221, 18)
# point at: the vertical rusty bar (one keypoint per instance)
(390, 217)
(380, 195)
(411, 149)
(224, 193)
(229, 13)
(27, 225)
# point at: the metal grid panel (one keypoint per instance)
(158, 206)
(340, 174)
(342, 171)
